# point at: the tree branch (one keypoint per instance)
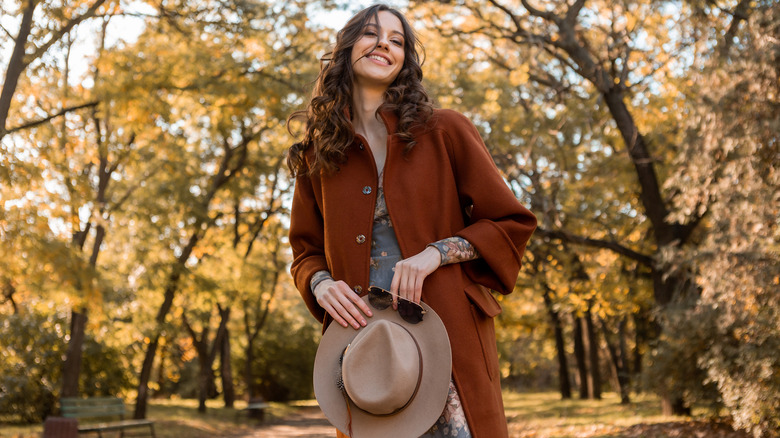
(16, 65)
(65, 29)
(574, 10)
(51, 117)
(539, 13)
(597, 243)
(741, 13)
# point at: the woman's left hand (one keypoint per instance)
(410, 273)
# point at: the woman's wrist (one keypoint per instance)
(318, 278)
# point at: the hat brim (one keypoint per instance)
(426, 407)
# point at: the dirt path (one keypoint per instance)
(308, 421)
(305, 422)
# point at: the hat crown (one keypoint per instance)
(381, 369)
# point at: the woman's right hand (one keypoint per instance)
(342, 303)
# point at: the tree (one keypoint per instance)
(633, 62)
(210, 124)
(59, 21)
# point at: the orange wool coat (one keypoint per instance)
(448, 172)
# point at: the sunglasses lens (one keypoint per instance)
(380, 299)
(410, 312)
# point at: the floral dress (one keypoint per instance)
(385, 253)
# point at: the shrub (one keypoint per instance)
(32, 348)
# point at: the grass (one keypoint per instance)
(544, 414)
(178, 418)
(530, 415)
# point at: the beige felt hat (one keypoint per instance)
(388, 379)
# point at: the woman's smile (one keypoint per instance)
(379, 58)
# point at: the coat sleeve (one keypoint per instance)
(499, 227)
(307, 240)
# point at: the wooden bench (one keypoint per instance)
(102, 408)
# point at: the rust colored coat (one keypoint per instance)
(448, 171)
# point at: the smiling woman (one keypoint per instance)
(393, 195)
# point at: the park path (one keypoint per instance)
(304, 422)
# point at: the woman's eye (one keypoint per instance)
(398, 43)
(369, 33)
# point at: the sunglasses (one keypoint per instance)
(381, 299)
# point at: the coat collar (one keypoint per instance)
(391, 121)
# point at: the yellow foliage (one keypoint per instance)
(519, 75)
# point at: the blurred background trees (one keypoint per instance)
(145, 200)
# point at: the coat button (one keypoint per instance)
(360, 238)
(358, 289)
(367, 190)
(361, 146)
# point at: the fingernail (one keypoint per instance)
(363, 322)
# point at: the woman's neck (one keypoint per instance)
(364, 105)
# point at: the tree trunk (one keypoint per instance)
(617, 363)
(674, 405)
(143, 379)
(161, 382)
(592, 347)
(151, 350)
(249, 377)
(640, 337)
(560, 348)
(207, 386)
(72, 365)
(228, 388)
(204, 377)
(626, 374)
(16, 64)
(205, 373)
(579, 355)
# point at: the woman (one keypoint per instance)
(392, 193)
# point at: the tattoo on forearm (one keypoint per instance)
(455, 250)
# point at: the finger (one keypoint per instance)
(361, 304)
(335, 315)
(417, 293)
(350, 312)
(355, 305)
(394, 284)
(334, 302)
(408, 282)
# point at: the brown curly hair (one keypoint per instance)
(328, 127)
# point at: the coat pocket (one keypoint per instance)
(481, 297)
(483, 308)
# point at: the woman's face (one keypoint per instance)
(380, 65)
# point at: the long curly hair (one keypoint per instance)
(328, 128)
